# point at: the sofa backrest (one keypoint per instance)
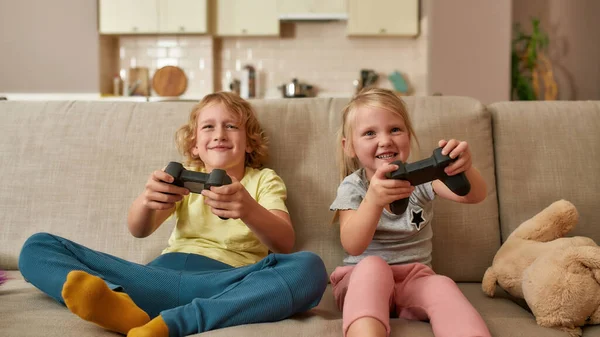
(75, 167)
(546, 151)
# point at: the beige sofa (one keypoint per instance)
(73, 168)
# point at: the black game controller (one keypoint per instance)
(427, 170)
(196, 181)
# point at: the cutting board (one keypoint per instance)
(169, 81)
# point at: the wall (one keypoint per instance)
(574, 33)
(46, 48)
(469, 48)
(318, 53)
(322, 55)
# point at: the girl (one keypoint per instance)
(214, 273)
(387, 267)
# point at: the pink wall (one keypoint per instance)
(49, 46)
(574, 33)
(469, 48)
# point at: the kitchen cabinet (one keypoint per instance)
(152, 16)
(246, 18)
(128, 16)
(311, 9)
(383, 17)
(182, 16)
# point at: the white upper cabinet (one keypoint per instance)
(128, 16)
(153, 16)
(383, 17)
(182, 16)
(312, 9)
(246, 18)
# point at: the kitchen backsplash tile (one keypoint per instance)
(194, 54)
(317, 53)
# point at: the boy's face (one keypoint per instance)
(379, 137)
(221, 139)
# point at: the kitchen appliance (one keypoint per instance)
(368, 79)
(296, 89)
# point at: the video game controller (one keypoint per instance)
(427, 170)
(196, 181)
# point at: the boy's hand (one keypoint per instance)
(160, 195)
(229, 201)
(383, 191)
(456, 149)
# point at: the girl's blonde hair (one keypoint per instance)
(374, 98)
(185, 137)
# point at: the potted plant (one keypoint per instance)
(529, 64)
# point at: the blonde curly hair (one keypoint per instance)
(185, 137)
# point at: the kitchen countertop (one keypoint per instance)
(99, 97)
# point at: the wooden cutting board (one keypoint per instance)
(169, 81)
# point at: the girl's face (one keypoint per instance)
(221, 140)
(379, 137)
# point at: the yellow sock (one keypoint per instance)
(155, 328)
(90, 298)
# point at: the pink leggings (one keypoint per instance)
(372, 288)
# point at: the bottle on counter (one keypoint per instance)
(117, 85)
(248, 82)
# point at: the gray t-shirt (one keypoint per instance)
(398, 239)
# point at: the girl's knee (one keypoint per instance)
(372, 265)
(442, 282)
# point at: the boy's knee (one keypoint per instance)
(30, 246)
(311, 263)
(306, 277)
(37, 238)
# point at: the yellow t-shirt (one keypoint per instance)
(199, 231)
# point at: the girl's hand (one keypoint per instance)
(383, 191)
(160, 195)
(229, 201)
(456, 149)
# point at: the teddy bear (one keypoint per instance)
(559, 277)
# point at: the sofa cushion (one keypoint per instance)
(546, 151)
(75, 167)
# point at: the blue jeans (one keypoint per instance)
(191, 292)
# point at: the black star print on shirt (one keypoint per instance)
(417, 218)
